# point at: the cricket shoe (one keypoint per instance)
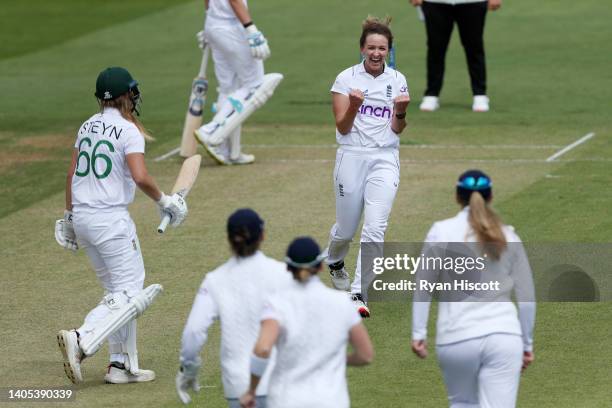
(362, 307)
(68, 342)
(480, 103)
(216, 152)
(205, 134)
(243, 159)
(118, 374)
(430, 104)
(339, 276)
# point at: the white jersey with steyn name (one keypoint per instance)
(310, 369)
(234, 293)
(221, 10)
(372, 126)
(102, 179)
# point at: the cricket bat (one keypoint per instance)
(187, 176)
(193, 120)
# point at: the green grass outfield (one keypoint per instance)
(550, 83)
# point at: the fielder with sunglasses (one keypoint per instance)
(481, 342)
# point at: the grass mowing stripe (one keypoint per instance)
(64, 20)
(25, 185)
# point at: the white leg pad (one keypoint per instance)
(128, 347)
(234, 144)
(92, 341)
(223, 124)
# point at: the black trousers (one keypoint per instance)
(439, 21)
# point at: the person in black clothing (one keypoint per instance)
(440, 17)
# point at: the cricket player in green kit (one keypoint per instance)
(107, 165)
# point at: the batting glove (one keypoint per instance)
(186, 380)
(258, 43)
(201, 39)
(173, 205)
(64, 232)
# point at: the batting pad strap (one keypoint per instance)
(258, 365)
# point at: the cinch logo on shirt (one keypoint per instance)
(376, 111)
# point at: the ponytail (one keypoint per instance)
(302, 275)
(487, 225)
(243, 243)
(125, 106)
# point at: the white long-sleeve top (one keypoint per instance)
(310, 369)
(462, 320)
(235, 294)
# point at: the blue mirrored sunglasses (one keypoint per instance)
(475, 183)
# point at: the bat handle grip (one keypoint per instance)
(163, 224)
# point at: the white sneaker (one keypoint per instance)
(481, 103)
(244, 159)
(339, 277)
(430, 104)
(68, 342)
(117, 374)
(362, 307)
(216, 153)
(208, 133)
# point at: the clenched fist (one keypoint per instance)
(400, 104)
(355, 98)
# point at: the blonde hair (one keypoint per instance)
(487, 225)
(125, 105)
(375, 25)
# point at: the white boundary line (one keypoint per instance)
(570, 147)
(416, 146)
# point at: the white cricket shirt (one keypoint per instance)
(458, 321)
(235, 294)
(310, 368)
(372, 125)
(102, 179)
(221, 10)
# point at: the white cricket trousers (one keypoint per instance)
(236, 70)
(365, 182)
(110, 239)
(483, 372)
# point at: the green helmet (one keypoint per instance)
(114, 82)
